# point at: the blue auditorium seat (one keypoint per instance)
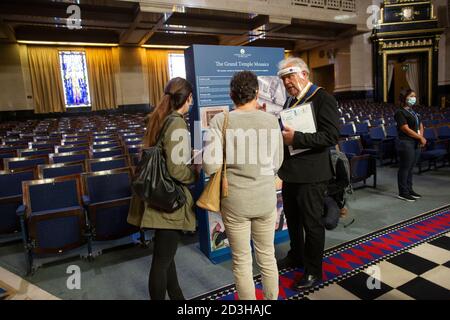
(74, 142)
(48, 144)
(436, 150)
(107, 202)
(133, 149)
(33, 152)
(362, 128)
(444, 132)
(6, 154)
(106, 153)
(61, 169)
(72, 148)
(110, 163)
(348, 130)
(384, 145)
(11, 198)
(362, 164)
(391, 131)
(104, 138)
(52, 217)
(105, 144)
(68, 156)
(132, 141)
(24, 162)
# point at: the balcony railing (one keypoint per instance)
(344, 5)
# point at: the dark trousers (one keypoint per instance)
(303, 206)
(408, 153)
(163, 273)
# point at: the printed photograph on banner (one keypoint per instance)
(207, 113)
(218, 238)
(281, 223)
(272, 93)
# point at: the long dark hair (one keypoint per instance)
(176, 93)
(403, 101)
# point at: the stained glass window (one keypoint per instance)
(75, 78)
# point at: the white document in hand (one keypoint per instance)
(300, 119)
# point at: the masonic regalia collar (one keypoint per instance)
(313, 89)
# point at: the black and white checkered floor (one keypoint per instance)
(421, 273)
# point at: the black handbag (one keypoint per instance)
(152, 181)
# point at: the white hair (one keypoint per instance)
(293, 62)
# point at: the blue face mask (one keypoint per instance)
(412, 101)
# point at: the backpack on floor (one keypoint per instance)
(341, 169)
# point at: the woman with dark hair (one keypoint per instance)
(254, 153)
(410, 140)
(168, 226)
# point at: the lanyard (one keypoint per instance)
(414, 114)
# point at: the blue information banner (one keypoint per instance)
(210, 69)
(215, 65)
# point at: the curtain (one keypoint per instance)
(100, 65)
(390, 74)
(158, 74)
(46, 80)
(412, 76)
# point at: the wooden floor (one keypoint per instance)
(18, 288)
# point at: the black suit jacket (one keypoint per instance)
(314, 165)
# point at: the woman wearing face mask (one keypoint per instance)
(168, 226)
(410, 139)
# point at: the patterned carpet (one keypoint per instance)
(409, 260)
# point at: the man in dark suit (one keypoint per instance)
(306, 175)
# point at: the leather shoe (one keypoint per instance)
(306, 282)
(288, 262)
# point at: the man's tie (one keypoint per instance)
(293, 102)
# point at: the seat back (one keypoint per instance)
(68, 156)
(110, 196)
(106, 153)
(429, 134)
(104, 138)
(378, 133)
(43, 144)
(362, 128)
(11, 198)
(74, 142)
(111, 163)
(134, 149)
(34, 152)
(24, 162)
(444, 132)
(54, 216)
(348, 129)
(391, 131)
(49, 171)
(6, 154)
(108, 185)
(71, 148)
(52, 194)
(105, 144)
(351, 146)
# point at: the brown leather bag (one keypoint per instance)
(217, 187)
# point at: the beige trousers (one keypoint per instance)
(261, 230)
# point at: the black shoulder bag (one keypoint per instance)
(153, 182)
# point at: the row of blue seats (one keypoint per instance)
(380, 132)
(436, 150)
(66, 212)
